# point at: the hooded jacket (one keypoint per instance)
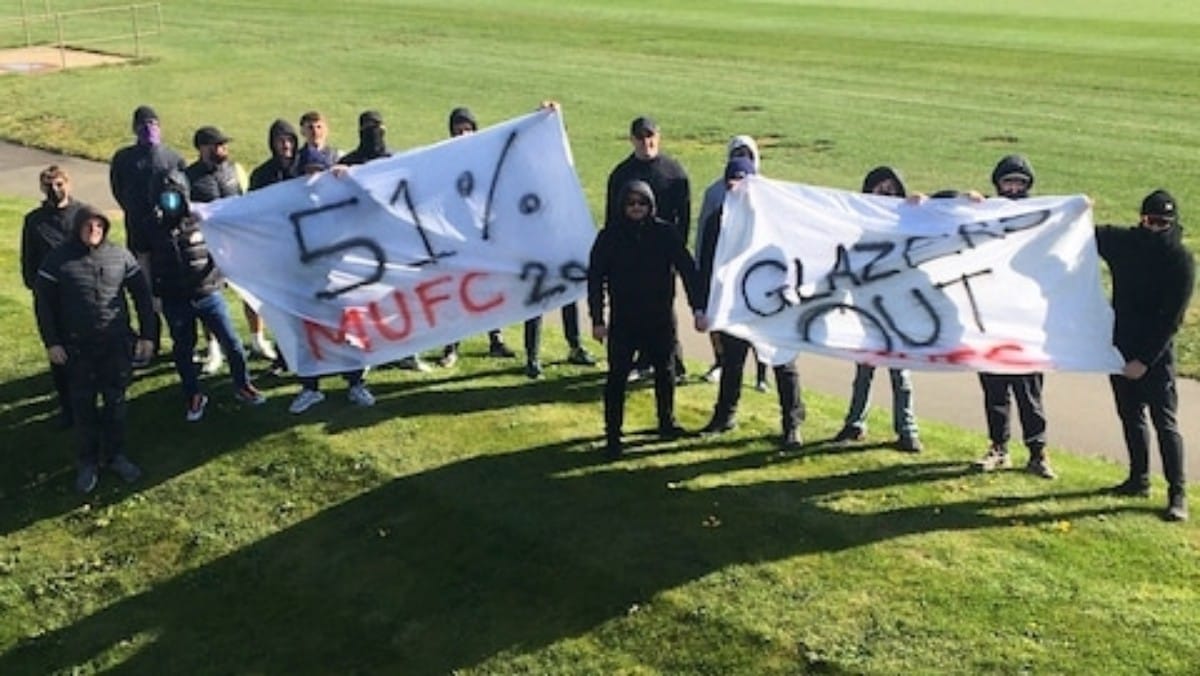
(880, 174)
(1013, 164)
(635, 262)
(714, 194)
(46, 228)
(371, 146)
(1153, 275)
(80, 291)
(277, 169)
(462, 114)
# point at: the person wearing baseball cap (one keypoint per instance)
(1153, 274)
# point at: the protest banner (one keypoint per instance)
(413, 251)
(1004, 286)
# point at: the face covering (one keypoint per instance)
(149, 134)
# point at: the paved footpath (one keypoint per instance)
(1080, 409)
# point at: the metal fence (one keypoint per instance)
(92, 29)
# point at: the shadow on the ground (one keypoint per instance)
(444, 569)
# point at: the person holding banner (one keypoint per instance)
(714, 197)
(733, 349)
(312, 161)
(1013, 178)
(633, 264)
(882, 181)
(187, 282)
(1153, 275)
(462, 122)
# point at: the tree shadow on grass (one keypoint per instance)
(511, 551)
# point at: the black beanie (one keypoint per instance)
(142, 115)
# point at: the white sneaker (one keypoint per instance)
(263, 346)
(215, 359)
(306, 400)
(359, 394)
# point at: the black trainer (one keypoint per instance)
(1132, 488)
(1176, 508)
(671, 431)
(791, 440)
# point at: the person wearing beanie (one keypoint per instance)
(132, 171)
(1013, 178)
(632, 269)
(887, 182)
(1153, 275)
(733, 350)
(81, 293)
(714, 197)
(672, 191)
(371, 144)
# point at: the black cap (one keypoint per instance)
(209, 136)
(1160, 203)
(370, 118)
(143, 114)
(643, 126)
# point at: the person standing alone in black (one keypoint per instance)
(1153, 275)
(633, 262)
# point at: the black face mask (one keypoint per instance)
(370, 139)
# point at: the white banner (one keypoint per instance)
(1005, 286)
(413, 251)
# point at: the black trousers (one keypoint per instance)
(533, 332)
(656, 346)
(1026, 390)
(787, 385)
(100, 371)
(1154, 392)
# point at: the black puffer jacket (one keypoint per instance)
(180, 261)
(45, 229)
(635, 263)
(80, 291)
(211, 182)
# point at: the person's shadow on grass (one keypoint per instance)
(516, 550)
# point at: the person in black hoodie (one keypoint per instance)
(882, 181)
(733, 350)
(186, 279)
(83, 320)
(45, 229)
(282, 165)
(1013, 178)
(1153, 275)
(633, 263)
(284, 145)
(462, 122)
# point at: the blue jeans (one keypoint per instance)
(182, 314)
(904, 421)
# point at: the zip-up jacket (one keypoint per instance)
(45, 229)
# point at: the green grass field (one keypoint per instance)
(465, 524)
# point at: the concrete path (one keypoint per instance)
(1082, 418)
